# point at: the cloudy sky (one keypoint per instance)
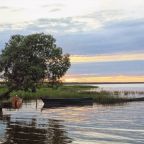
(105, 38)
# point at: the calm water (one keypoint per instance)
(75, 125)
(122, 87)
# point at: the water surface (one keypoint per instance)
(76, 125)
(97, 124)
(122, 87)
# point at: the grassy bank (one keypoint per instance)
(102, 97)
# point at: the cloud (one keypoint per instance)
(108, 68)
(95, 13)
(98, 19)
(53, 25)
(114, 37)
(53, 7)
(55, 10)
(74, 38)
(4, 8)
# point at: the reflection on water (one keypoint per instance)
(32, 130)
(20, 133)
(76, 125)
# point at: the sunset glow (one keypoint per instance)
(87, 78)
(107, 58)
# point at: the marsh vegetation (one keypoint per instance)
(75, 91)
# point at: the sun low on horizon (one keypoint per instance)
(103, 37)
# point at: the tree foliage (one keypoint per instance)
(26, 60)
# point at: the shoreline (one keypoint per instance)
(74, 91)
(79, 83)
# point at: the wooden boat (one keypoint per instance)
(61, 102)
(15, 103)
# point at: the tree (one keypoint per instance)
(26, 60)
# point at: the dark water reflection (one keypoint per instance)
(77, 125)
(20, 133)
(30, 130)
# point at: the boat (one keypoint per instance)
(16, 103)
(62, 102)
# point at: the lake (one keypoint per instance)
(97, 124)
(122, 87)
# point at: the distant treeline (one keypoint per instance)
(79, 83)
(3, 83)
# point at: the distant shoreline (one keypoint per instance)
(103, 82)
(78, 83)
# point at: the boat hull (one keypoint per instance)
(61, 102)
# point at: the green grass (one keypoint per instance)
(61, 92)
(76, 91)
(2, 89)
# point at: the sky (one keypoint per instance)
(105, 38)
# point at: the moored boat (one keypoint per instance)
(16, 102)
(60, 102)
